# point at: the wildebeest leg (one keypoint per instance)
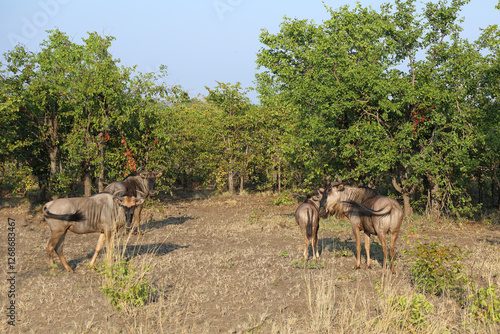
(367, 249)
(383, 243)
(315, 244)
(98, 249)
(109, 246)
(306, 249)
(137, 218)
(394, 237)
(56, 244)
(357, 236)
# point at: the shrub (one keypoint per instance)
(413, 310)
(284, 198)
(124, 285)
(16, 178)
(485, 304)
(438, 268)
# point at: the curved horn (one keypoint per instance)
(119, 195)
(139, 169)
(339, 179)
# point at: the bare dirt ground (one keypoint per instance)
(219, 264)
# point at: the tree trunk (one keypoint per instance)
(497, 181)
(433, 205)
(408, 210)
(100, 180)
(87, 180)
(230, 181)
(279, 177)
(53, 167)
(53, 160)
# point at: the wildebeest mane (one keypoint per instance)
(74, 217)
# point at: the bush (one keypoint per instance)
(124, 285)
(413, 310)
(16, 178)
(485, 304)
(284, 198)
(438, 268)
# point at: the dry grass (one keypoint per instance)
(223, 264)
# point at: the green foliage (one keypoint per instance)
(416, 109)
(283, 254)
(283, 198)
(254, 217)
(125, 285)
(374, 109)
(438, 269)
(485, 304)
(412, 310)
(15, 178)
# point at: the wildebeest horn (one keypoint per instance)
(339, 179)
(161, 170)
(118, 194)
(139, 169)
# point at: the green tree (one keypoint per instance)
(232, 123)
(369, 117)
(38, 89)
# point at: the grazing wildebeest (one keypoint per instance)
(104, 213)
(307, 217)
(368, 212)
(141, 185)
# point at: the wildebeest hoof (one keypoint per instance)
(357, 267)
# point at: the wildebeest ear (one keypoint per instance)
(340, 187)
(139, 201)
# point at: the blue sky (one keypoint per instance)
(200, 41)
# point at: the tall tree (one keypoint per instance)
(232, 126)
(366, 114)
(40, 84)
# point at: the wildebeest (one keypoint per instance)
(141, 185)
(104, 213)
(307, 217)
(367, 211)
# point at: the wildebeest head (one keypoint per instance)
(128, 204)
(331, 198)
(150, 178)
(316, 196)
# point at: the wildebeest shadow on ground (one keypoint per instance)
(491, 241)
(157, 249)
(132, 251)
(348, 248)
(165, 222)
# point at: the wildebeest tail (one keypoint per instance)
(366, 210)
(74, 217)
(309, 226)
